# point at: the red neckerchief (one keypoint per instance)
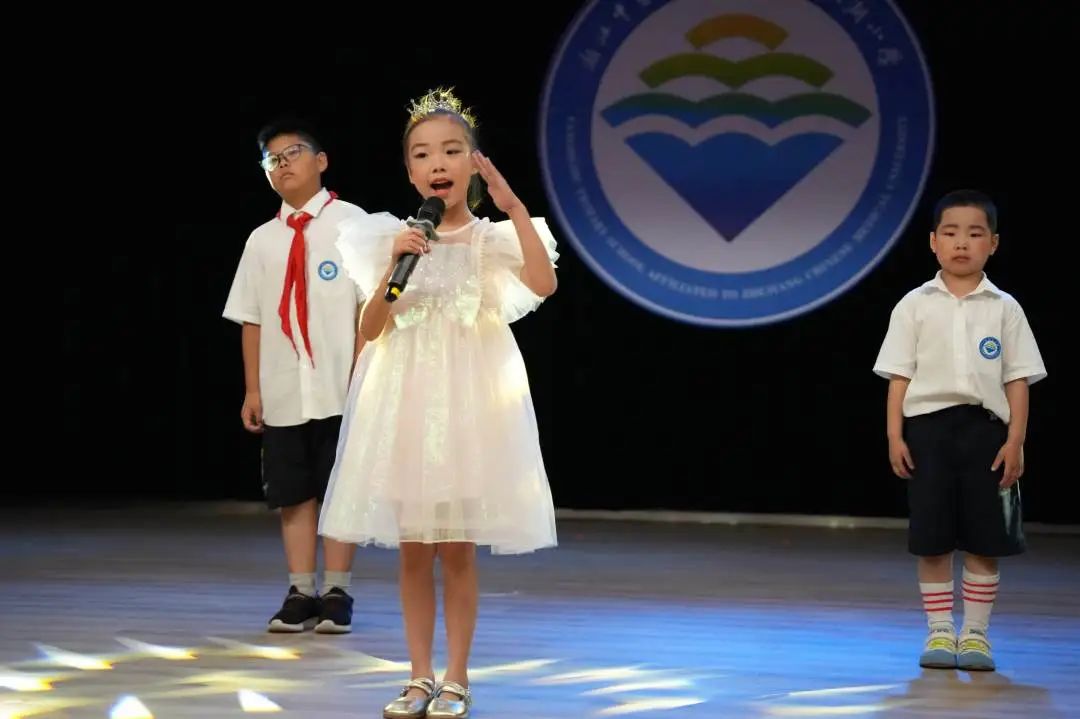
(296, 276)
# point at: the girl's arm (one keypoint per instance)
(376, 309)
(537, 274)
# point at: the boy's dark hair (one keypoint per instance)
(967, 198)
(288, 126)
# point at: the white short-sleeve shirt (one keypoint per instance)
(959, 350)
(294, 391)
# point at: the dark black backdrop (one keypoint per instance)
(635, 411)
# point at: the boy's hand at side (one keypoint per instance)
(1012, 454)
(900, 458)
(251, 413)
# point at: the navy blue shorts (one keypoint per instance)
(297, 461)
(954, 499)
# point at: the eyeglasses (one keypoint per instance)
(272, 161)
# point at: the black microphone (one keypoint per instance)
(427, 218)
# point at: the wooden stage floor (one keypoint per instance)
(623, 619)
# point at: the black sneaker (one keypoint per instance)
(299, 612)
(336, 615)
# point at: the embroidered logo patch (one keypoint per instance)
(990, 347)
(327, 270)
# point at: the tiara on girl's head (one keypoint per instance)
(439, 100)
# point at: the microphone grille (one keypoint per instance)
(432, 209)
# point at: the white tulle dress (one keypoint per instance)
(439, 440)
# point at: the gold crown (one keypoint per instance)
(439, 100)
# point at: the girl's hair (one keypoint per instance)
(443, 102)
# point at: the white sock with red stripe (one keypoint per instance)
(980, 591)
(937, 600)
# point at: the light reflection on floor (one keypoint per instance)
(259, 678)
(643, 622)
(201, 672)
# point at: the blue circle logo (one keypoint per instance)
(327, 270)
(733, 162)
(990, 347)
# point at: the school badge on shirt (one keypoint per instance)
(328, 270)
(990, 347)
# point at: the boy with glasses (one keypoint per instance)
(299, 315)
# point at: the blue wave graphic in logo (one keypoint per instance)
(770, 114)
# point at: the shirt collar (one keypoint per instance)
(985, 285)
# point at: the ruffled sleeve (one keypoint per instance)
(365, 243)
(500, 268)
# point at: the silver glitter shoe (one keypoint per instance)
(441, 708)
(411, 707)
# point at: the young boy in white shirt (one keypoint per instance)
(959, 356)
(299, 312)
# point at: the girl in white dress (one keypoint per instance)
(439, 450)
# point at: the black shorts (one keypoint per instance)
(954, 499)
(296, 461)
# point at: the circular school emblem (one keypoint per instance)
(733, 162)
(990, 347)
(328, 270)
